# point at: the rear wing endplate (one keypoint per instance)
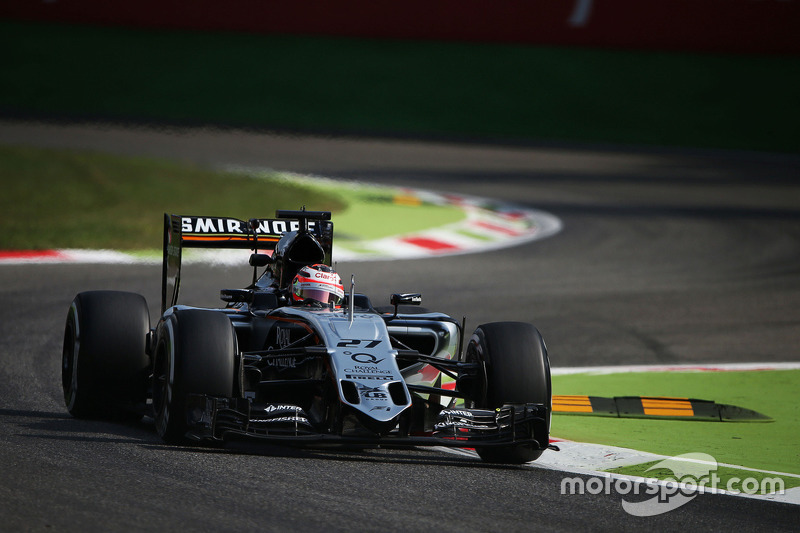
(258, 234)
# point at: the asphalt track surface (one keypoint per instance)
(666, 256)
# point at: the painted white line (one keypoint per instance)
(696, 367)
(593, 459)
(600, 457)
(452, 237)
(74, 256)
(379, 249)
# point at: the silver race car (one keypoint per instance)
(299, 359)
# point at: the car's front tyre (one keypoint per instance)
(517, 370)
(195, 354)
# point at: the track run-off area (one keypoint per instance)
(483, 225)
(664, 257)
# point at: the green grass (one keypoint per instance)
(401, 87)
(64, 199)
(71, 199)
(724, 473)
(377, 211)
(365, 221)
(763, 445)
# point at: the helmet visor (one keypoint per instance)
(323, 293)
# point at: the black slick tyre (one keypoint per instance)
(104, 364)
(195, 354)
(517, 370)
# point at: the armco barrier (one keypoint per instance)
(729, 26)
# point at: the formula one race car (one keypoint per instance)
(292, 359)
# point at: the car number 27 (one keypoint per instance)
(352, 343)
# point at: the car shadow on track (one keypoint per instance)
(384, 455)
(63, 427)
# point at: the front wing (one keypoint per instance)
(218, 419)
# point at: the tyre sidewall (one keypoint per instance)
(516, 362)
(195, 354)
(105, 365)
(516, 370)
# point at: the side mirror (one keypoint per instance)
(260, 260)
(405, 299)
(236, 295)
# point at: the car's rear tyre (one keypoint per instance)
(517, 371)
(195, 354)
(104, 364)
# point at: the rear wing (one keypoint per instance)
(257, 234)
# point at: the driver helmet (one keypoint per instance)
(318, 283)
